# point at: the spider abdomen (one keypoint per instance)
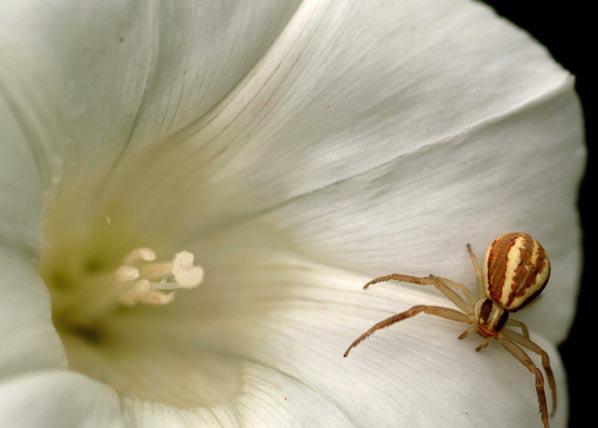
(516, 270)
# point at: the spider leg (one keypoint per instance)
(467, 332)
(441, 284)
(524, 359)
(439, 311)
(482, 346)
(478, 272)
(471, 300)
(534, 347)
(519, 324)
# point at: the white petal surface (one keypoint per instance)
(20, 176)
(58, 399)
(75, 85)
(106, 73)
(415, 213)
(348, 87)
(202, 50)
(29, 341)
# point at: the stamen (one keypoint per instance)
(157, 298)
(152, 278)
(127, 273)
(138, 255)
(156, 271)
(131, 297)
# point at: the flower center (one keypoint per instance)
(119, 276)
(100, 291)
(139, 280)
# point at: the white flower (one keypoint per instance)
(297, 149)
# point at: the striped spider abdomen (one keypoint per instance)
(516, 270)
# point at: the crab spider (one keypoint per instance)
(515, 271)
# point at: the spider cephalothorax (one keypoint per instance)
(516, 270)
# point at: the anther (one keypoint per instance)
(185, 274)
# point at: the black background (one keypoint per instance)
(565, 28)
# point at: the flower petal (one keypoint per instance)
(75, 85)
(20, 176)
(413, 374)
(415, 213)
(202, 50)
(325, 104)
(435, 127)
(58, 399)
(289, 321)
(416, 374)
(29, 341)
(110, 73)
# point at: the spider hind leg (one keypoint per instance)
(524, 359)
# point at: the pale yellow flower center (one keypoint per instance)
(117, 281)
(140, 279)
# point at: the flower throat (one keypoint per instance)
(99, 271)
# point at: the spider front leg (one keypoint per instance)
(467, 332)
(482, 345)
(478, 272)
(519, 324)
(470, 330)
(444, 285)
(534, 347)
(439, 311)
(524, 359)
